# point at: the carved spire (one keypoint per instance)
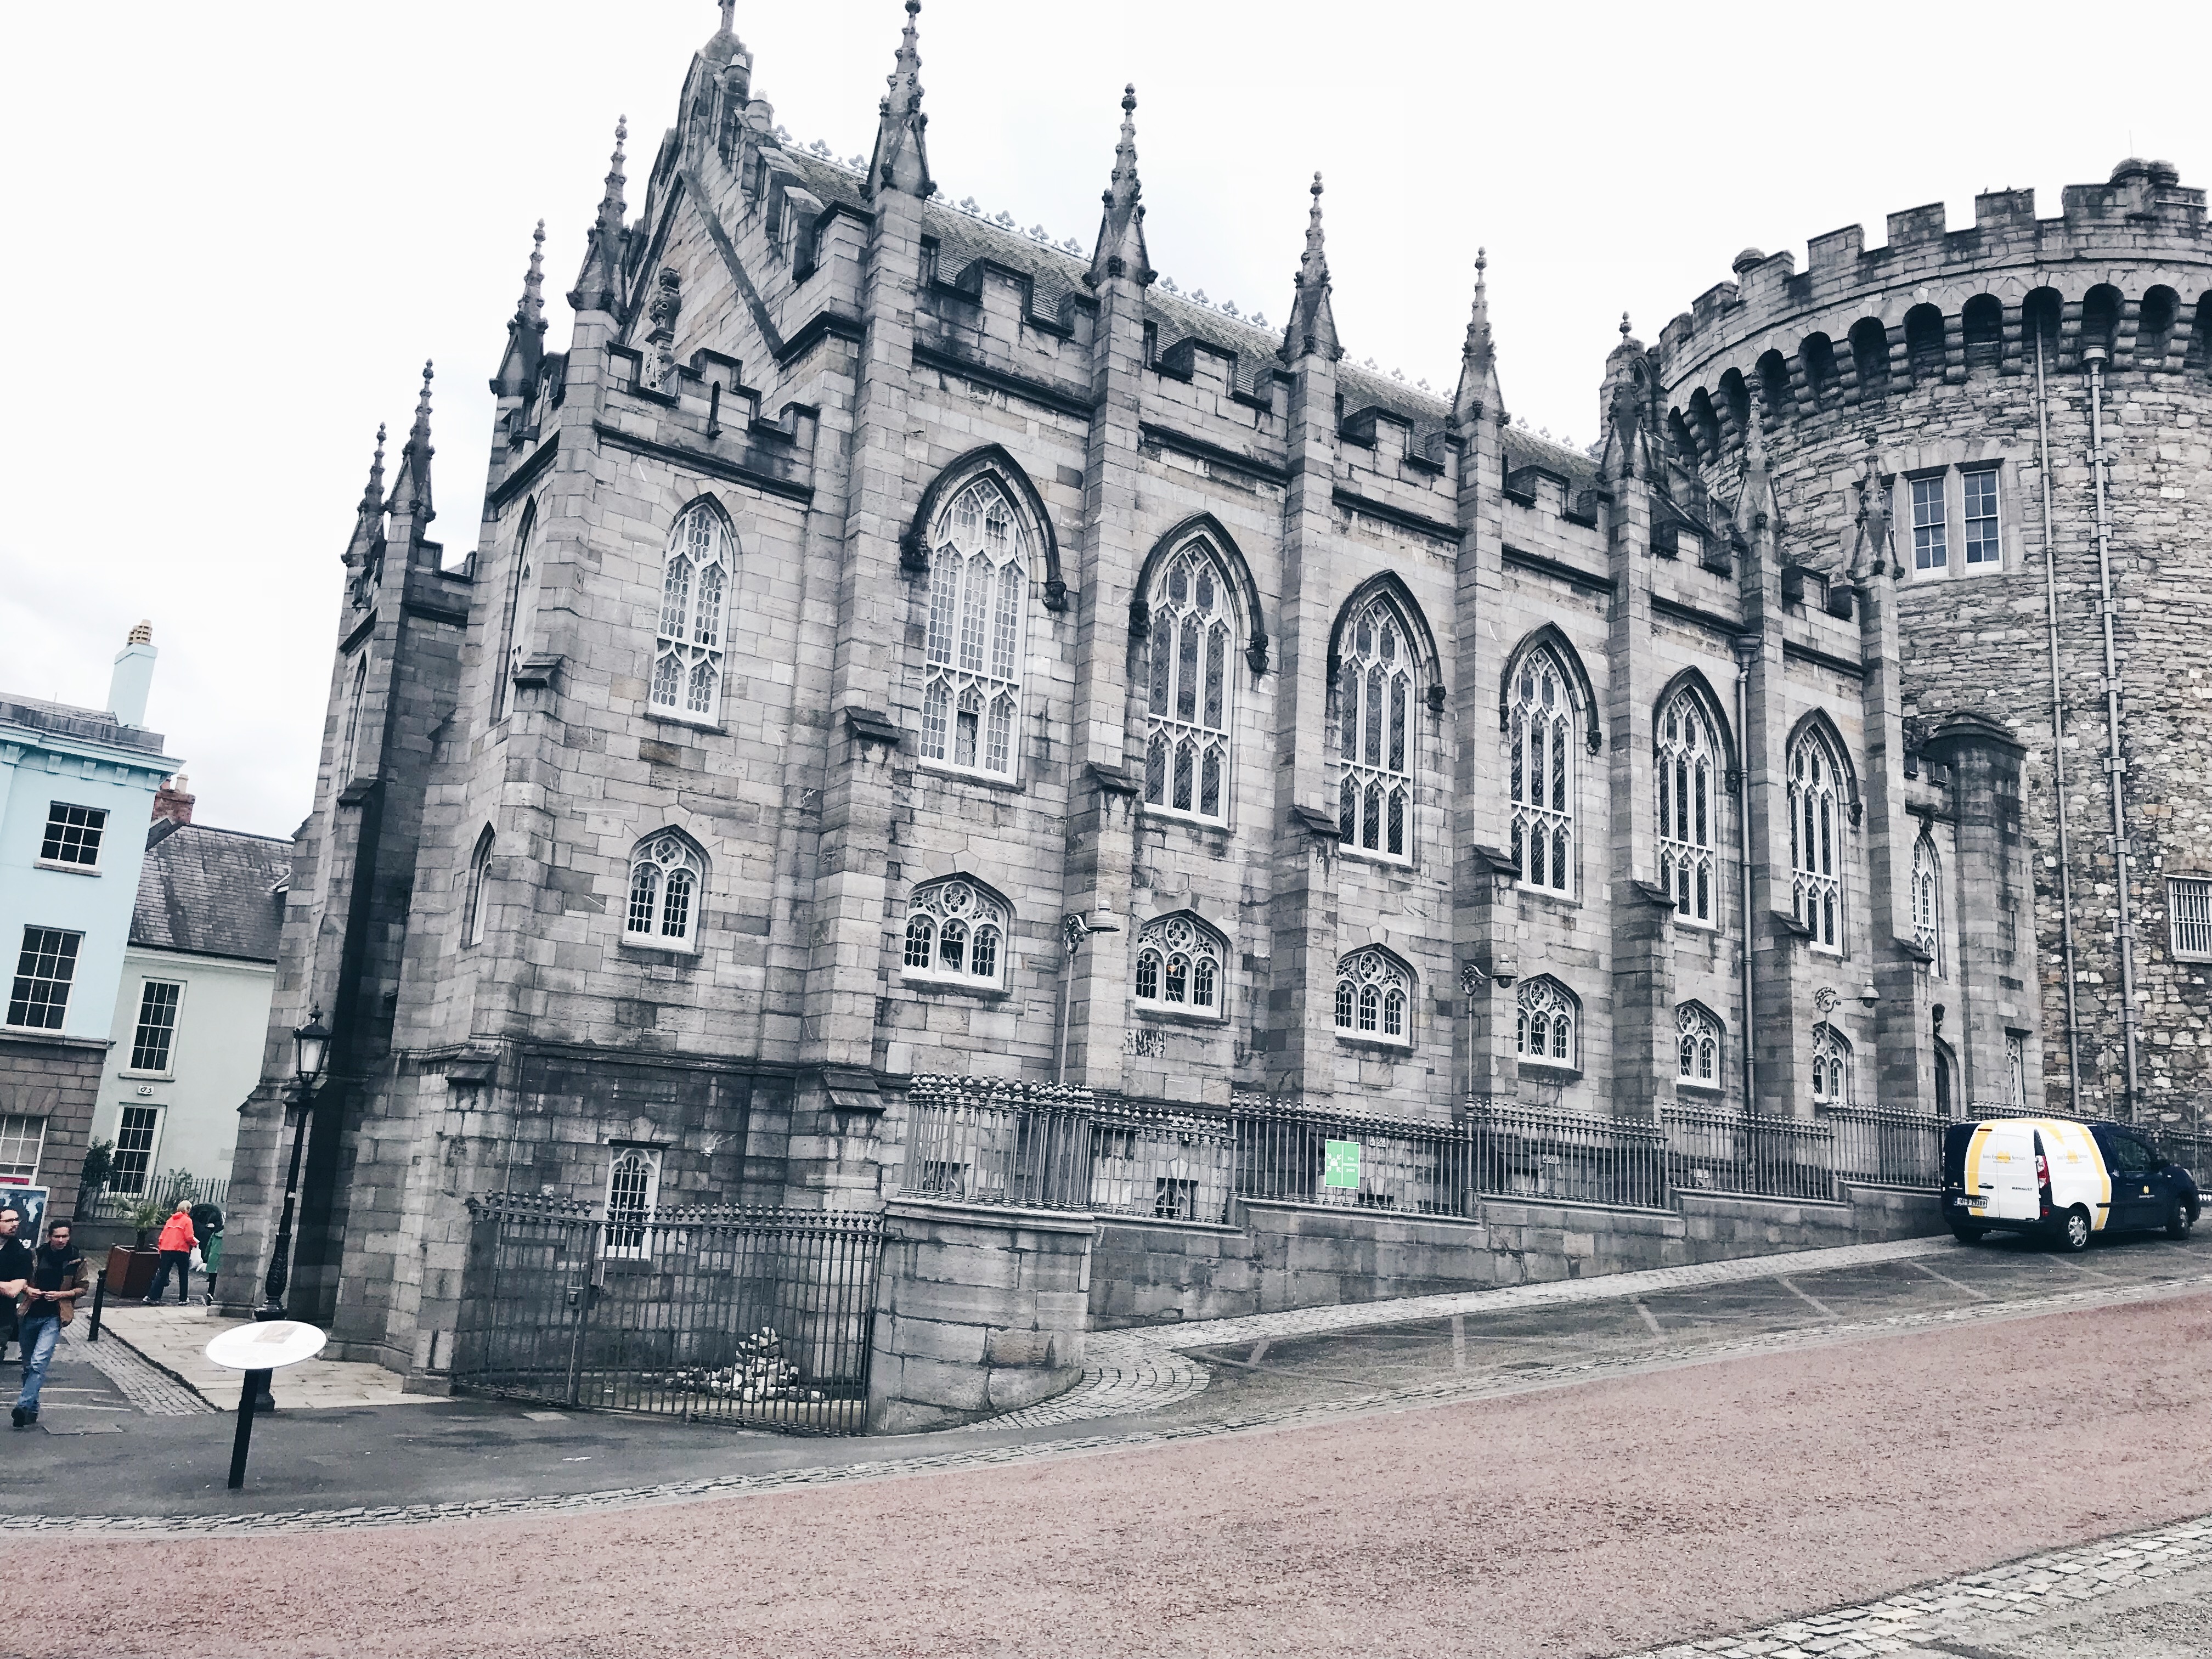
(1873, 551)
(1478, 358)
(371, 498)
(526, 330)
(410, 495)
(598, 285)
(1121, 249)
(1757, 512)
(901, 162)
(369, 518)
(532, 308)
(1625, 414)
(1313, 323)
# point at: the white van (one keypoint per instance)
(2055, 1175)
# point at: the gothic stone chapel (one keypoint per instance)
(899, 647)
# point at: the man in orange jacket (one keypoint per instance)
(175, 1244)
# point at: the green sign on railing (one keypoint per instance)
(1341, 1164)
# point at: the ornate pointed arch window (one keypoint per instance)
(1816, 841)
(1376, 734)
(1182, 967)
(1927, 901)
(1687, 764)
(521, 615)
(1697, 1040)
(1191, 685)
(956, 934)
(1541, 768)
(668, 880)
(1375, 997)
(695, 585)
(1548, 1026)
(476, 911)
(978, 609)
(1832, 1066)
(350, 750)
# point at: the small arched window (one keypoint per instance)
(978, 609)
(350, 750)
(1832, 1066)
(1375, 997)
(1982, 325)
(1180, 967)
(1191, 683)
(1777, 398)
(1540, 767)
(1376, 740)
(1688, 760)
(475, 910)
(1547, 1026)
(1870, 358)
(1697, 1038)
(687, 652)
(521, 615)
(1816, 841)
(666, 877)
(1923, 343)
(1816, 355)
(956, 931)
(1927, 901)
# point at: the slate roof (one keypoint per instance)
(211, 892)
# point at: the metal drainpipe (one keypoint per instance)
(2057, 735)
(1743, 863)
(2116, 763)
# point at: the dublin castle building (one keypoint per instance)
(898, 646)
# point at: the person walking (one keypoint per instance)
(46, 1303)
(175, 1245)
(207, 1222)
(17, 1260)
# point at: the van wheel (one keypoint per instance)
(1967, 1235)
(2179, 1224)
(2074, 1232)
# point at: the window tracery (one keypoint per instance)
(1832, 1066)
(1180, 967)
(1190, 686)
(1375, 997)
(1547, 1025)
(1927, 901)
(956, 932)
(1376, 734)
(1698, 1036)
(687, 652)
(1816, 837)
(1688, 759)
(665, 877)
(1540, 767)
(978, 608)
(521, 615)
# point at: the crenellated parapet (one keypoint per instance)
(2127, 266)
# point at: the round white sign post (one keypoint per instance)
(258, 1350)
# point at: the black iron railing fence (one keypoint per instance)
(155, 1192)
(753, 1316)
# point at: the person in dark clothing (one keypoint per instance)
(46, 1303)
(17, 1260)
(207, 1222)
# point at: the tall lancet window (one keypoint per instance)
(687, 652)
(1927, 901)
(1375, 716)
(1542, 771)
(350, 750)
(1687, 762)
(1190, 685)
(978, 605)
(521, 615)
(1816, 841)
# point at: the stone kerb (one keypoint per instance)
(980, 1310)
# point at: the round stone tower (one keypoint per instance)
(2035, 399)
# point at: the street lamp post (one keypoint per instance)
(310, 1044)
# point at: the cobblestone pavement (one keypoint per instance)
(173, 1336)
(2003, 1612)
(152, 1390)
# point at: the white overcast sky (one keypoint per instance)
(240, 229)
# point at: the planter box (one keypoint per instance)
(130, 1271)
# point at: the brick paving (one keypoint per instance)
(151, 1390)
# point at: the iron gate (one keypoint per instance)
(760, 1317)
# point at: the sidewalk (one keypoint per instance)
(175, 1338)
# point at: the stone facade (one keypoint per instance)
(865, 576)
(2013, 350)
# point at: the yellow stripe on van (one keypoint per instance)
(1981, 1139)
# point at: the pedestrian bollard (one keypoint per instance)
(259, 1350)
(99, 1301)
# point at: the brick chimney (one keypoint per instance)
(173, 800)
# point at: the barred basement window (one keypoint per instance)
(1541, 771)
(633, 1196)
(1931, 544)
(1816, 833)
(1928, 902)
(978, 608)
(1687, 759)
(1983, 546)
(2189, 902)
(1547, 1024)
(665, 877)
(1832, 1066)
(956, 932)
(157, 1025)
(22, 1140)
(687, 651)
(73, 835)
(44, 972)
(1179, 967)
(1698, 1036)
(1190, 682)
(1375, 714)
(1374, 997)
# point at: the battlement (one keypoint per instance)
(2142, 217)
